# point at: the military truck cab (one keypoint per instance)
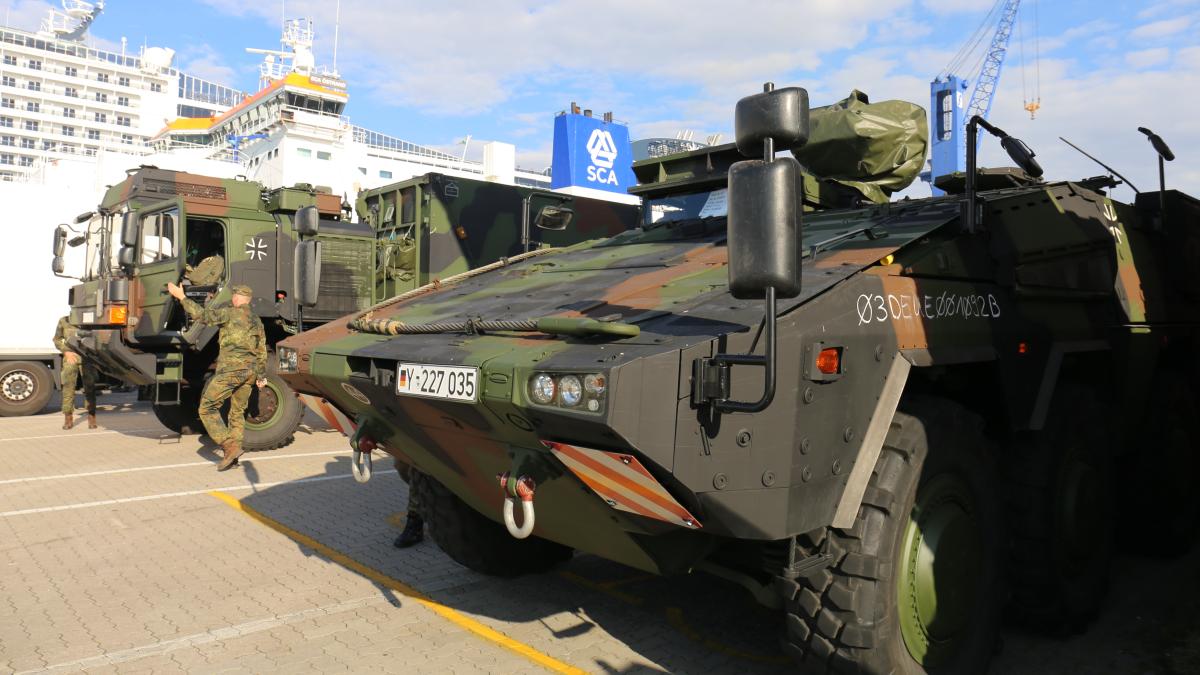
(158, 227)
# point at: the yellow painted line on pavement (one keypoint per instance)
(454, 616)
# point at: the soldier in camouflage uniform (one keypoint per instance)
(73, 366)
(242, 362)
(207, 272)
(414, 523)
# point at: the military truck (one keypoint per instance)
(161, 226)
(887, 419)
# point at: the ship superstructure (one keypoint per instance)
(62, 99)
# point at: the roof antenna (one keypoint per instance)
(1106, 167)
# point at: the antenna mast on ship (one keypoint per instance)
(72, 21)
(297, 43)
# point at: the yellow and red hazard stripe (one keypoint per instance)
(623, 483)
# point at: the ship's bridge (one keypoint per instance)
(315, 102)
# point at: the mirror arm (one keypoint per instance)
(722, 363)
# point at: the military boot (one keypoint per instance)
(68, 420)
(413, 534)
(91, 419)
(233, 450)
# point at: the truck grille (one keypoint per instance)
(346, 277)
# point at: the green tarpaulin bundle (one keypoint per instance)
(876, 148)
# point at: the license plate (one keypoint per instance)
(455, 383)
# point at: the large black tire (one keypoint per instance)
(930, 517)
(1060, 514)
(273, 414)
(1167, 461)
(475, 541)
(25, 388)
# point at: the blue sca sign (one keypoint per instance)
(591, 153)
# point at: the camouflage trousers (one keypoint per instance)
(71, 373)
(411, 475)
(236, 387)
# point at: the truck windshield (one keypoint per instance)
(663, 210)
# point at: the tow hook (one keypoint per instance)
(360, 458)
(522, 488)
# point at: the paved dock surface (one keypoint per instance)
(123, 550)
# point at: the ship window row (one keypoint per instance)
(196, 89)
(70, 92)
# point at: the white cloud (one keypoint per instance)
(25, 14)
(468, 58)
(942, 7)
(201, 60)
(1160, 29)
(1148, 57)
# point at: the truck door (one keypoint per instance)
(158, 262)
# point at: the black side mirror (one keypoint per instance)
(554, 218)
(307, 268)
(125, 257)
(57, 265)
(60, 240)
(76, 240)
(307, 221)
(84, 217)
(763, 236)
(129, 230)
(1022, 155)
(764, 218)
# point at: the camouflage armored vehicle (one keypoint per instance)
(886, 419)
(161, 226)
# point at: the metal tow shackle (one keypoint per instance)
(520, 489)
(360, 456)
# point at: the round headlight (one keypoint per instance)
(541, 389)
(595, 385)
(570, 391)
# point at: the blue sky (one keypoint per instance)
(435, 72)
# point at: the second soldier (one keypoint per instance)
(241, 364)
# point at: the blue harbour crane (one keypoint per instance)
(970, 64)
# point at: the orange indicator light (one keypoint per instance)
(829, 361)
(1022, 348)
(118, 314)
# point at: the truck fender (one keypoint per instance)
(872, 442)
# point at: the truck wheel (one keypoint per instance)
(182, 419)
(1167, 463)
(1059, 500)
(475, 541)
(914, 585)
(25, 388)
(273, 414)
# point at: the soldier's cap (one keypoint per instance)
(242, 289)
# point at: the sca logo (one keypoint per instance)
(603, 150)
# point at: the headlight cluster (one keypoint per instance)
(573, 391)
(287, 360)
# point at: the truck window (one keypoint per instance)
(159, 234)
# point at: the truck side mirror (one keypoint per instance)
(307, 281)
(554, 218)
(764, 216)
(57, 265)
(125, 257)
(763, 239)
(307, 221)
(60, 240)
(129, 231)
(1022, 155)
(84, 217)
